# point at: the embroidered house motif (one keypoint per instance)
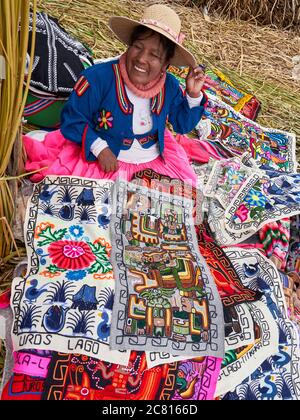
(165, 297)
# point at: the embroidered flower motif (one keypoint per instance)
(71, 255)
(76, 275)
(255, 198)
(41, 228)
(49, 275)
(105, 119)
(234, 177)
(105, 244)
(242, 213)
(76, 231)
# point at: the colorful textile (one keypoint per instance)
(43, 112)
(293, 263)
(275, 238)
(166, 299)
(23, 387)
(201, 151)
(261, 200)
(57, 56)
(230, 287)
(4, 299)
(222, 125)
(241, 199)
(240, 362)
(64, 302)
(151, 179)
(278, 376)
(75, 377)
(58, 156)
(218, 84)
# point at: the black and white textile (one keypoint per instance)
(59, 58)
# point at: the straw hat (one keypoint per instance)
(161, 19)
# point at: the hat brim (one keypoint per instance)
(123, 28)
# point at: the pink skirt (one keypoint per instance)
(59, 156)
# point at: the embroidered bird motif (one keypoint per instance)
(45, 194)
(250, 270)
(32, 293)
(103, 329)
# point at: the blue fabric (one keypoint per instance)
(81, 113)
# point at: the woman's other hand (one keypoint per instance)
(195, 81)
(108, 160)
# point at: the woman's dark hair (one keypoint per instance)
(142, 32)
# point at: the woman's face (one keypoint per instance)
(146, 60)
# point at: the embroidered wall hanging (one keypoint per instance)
(219, 85)
(239, 363)
(64, 302)
(166, 299)
(243, 199)
(77, 377)
(151, 179)
(278, 377)
(272, 149)
(281, 370)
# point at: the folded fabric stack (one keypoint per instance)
(58, 60)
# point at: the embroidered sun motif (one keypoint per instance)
(105, 119)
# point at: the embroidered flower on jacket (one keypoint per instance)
(105, 120)
(71, 255)
(242, 213)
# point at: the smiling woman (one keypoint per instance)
(114, 121)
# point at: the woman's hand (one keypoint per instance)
(108, 161)
(195, 81)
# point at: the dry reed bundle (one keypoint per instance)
(283, 14)
(14, 30)
(258, 59)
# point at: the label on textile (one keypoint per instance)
(65, 301)
(166, 299)
(31, 364)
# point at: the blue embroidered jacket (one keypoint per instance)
(99, 107)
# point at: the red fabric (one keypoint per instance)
(23, 387)
(5, 299)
